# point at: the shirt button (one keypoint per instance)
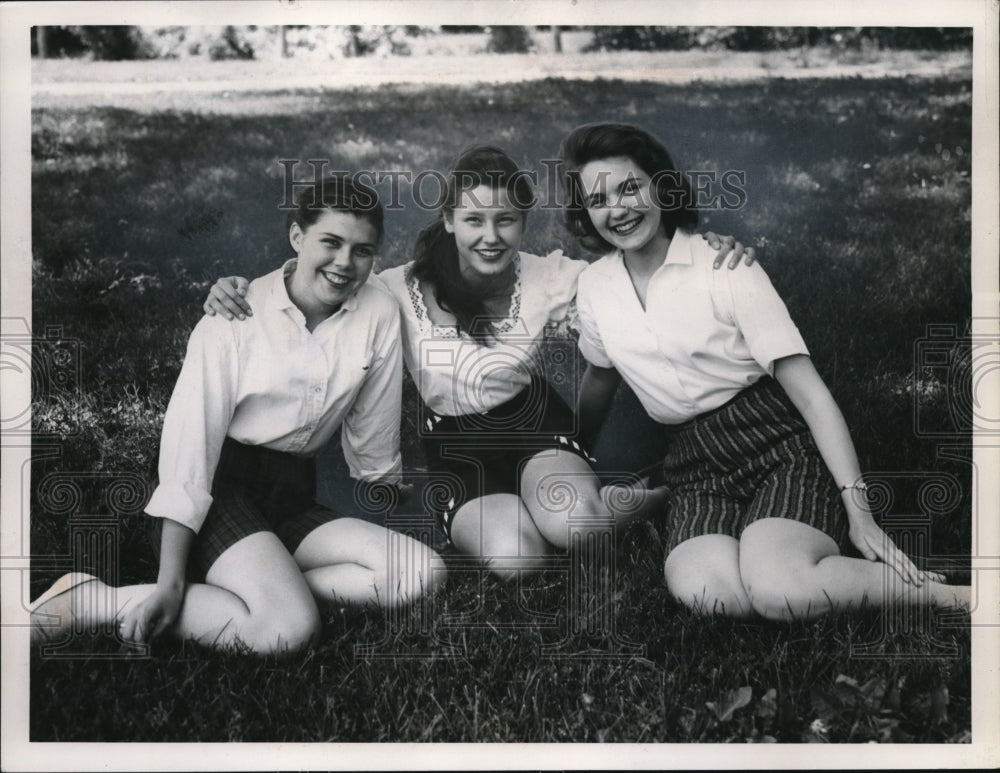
(317, 390)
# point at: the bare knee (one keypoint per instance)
(782, 595)
(706, 594)
(703, 575)
(779, 565)
(507, 565)
(509, 570)
(289, 627)
(421, 573)
(784, 588)
(500, 532)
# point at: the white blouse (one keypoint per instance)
(455, 374)
(268, 381)
(703, 336)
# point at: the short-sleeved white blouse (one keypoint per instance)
(703, 336)
(455, 374)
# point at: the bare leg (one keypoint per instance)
(703, 573)
(557, 487)
(254, 594)
(498, 528)
(356, 562)
(792, 570)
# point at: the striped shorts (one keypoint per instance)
(752, 458)
(255, 489)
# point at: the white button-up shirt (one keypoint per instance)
(454, 373)
(268, 381)
(704, 335)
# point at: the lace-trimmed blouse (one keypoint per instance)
(454, 373)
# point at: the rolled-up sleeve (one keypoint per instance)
(370, 435)
(762, 317)
(590, 343)
(195, 424)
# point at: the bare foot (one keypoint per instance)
(958, 597)
(632, 500)
(52, 612)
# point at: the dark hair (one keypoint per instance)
(435, 254)
(593, 142)
(339, 193)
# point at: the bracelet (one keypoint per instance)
(862, 486)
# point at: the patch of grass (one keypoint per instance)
(801, 681)
(863, 223)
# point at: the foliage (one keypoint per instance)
(228, 42)
(637, 38)
(508, 39)
(135, 209)
(231, 44)
(248, 42)
(112, 43)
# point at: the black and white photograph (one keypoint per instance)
(499, 385)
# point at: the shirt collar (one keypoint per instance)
(279, 299)
(678, 253)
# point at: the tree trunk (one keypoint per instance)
(556, 39)
(282, 42)
(40, 41)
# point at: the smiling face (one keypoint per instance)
(488, 229)
(335, 257)
(621, 202)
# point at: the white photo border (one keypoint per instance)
(15, 301)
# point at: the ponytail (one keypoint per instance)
(435, 260)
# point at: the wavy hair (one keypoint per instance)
(593, 142)
(342, 194)
(435, 253)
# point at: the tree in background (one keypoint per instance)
(251, 42)
(106, 43)
(508, 39)
(635, 38)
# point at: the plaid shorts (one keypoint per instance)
(255, 489)
(474, 455)
(750, 459)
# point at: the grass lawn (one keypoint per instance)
(858, 194)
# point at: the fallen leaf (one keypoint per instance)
(767, 708)
(874, 691)
(729, 702)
